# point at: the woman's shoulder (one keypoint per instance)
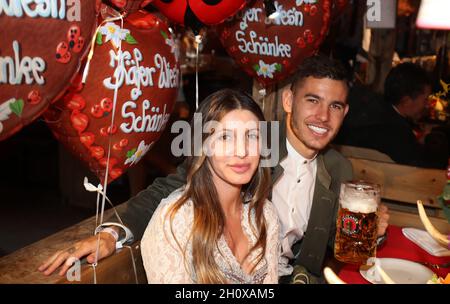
(270, 213)
(184, 212)
(269, 208)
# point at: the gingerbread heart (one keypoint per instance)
(134, 75)
(41, 48)
(270, 49)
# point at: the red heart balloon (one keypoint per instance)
(145, 76)
(41, 47)
(269, 50)
(208, 12)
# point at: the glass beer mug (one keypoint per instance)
(356, 223)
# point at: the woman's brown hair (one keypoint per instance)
(209, 219)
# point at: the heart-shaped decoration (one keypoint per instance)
(270, 49)
(137, 63)
(42, 44)
(195, 14)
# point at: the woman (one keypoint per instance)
(218, 228)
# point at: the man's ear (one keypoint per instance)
(346, 109)
(288, 100)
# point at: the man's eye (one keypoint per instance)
(337, 106)
(312, 100)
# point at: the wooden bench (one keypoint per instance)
(21, 266)
(363, 153)
(402, 186)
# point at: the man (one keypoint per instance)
(389, 126)
(306, 181)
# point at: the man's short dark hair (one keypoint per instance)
(406, 79)
(319, 66)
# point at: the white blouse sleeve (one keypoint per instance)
(164, 260)
(273, 248)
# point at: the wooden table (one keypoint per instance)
(21, 266)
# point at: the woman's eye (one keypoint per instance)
(253, 135)
(225, 137)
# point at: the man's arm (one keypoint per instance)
(135, 214)
(137, 211)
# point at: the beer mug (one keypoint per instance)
(356, 223)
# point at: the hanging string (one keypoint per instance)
(92, 47)
(262, 92)
(198, 41)
(134, 264)
(98, 201)
(94, 265)
(116, 92)
(99, 188)
(101, 191)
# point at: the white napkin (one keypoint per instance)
(424, 240)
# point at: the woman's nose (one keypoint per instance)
(241, 147)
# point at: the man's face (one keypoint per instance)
(315, 112)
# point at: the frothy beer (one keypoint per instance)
(356, 224)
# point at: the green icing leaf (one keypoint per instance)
(164, 34)
(17, 107)
(98, 39)
(131, 153)
(130, 39)
(278, 67)
(256, 67)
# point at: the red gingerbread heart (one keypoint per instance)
(270, 50)
(139, 64)
(41, 48)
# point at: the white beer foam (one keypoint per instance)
(361, 205)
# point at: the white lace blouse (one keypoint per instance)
(164, 260)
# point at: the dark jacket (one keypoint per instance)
(390, 133)
(332, 170)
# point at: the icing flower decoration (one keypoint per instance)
(10, 106)
(135, 155)
(114, 33)
(174, 47)
(266, 70)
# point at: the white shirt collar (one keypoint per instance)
(297, 156)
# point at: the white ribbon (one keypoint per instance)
(198, 41)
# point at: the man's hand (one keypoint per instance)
(383, 219)
(86, 247)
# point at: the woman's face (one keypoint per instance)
(233, 148)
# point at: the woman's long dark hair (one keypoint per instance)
(209, 219)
